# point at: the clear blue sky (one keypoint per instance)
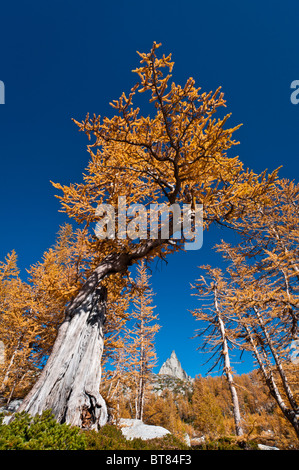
(62, 59)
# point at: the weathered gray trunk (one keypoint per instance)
(267, 372)
(278, 363)
(70, 382)
(227, 369)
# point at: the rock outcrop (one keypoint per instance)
(172, 367)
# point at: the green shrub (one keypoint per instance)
(108, 437)
(41, 432)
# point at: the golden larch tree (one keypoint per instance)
(141, 349)
(18, 332)
(169, 150)
(218, 330)
(265, 282)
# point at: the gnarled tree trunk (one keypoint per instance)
(70, 381)
(69, 384)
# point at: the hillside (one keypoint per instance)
(201, 408)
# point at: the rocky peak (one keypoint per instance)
(172, 367)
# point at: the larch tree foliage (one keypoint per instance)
(264, 291)
(32, 311)
(263, 335)
(117, 316)
(218, 332)
(18, 331)
(115, 386)
(53, 282)
(114, 383)
(131, 354)
(208, 416)
(170, 150)
(141, 349)
(269, 245)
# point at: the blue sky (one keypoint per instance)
(62, 59)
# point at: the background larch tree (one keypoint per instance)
(114, 385)
(266, 313)
(18, 331)
(32, 311)
(141, 350)
(129, 354)
(265, 269)
(175, 151)
(218, 331)
(208, 415)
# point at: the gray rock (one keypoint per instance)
(12, 407)
(6, 419)
(135, 428)
(187, 440)
(263, 447)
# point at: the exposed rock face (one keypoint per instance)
(172, 367)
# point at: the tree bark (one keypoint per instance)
(69, 384)
(227, 369)
(266, 370)
(278, 363)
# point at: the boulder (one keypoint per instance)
(263, 447)
(12, 407)
(135, 428)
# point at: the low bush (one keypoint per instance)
(41, 432)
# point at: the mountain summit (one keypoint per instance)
(172, 367)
